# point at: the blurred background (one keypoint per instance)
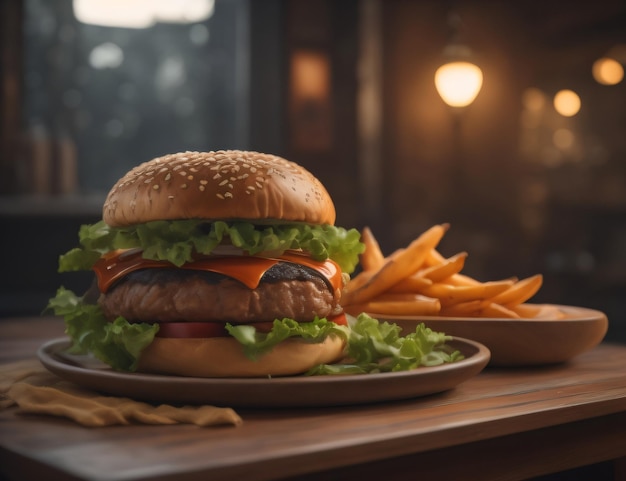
(530, 170)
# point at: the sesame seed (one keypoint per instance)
(219, 196)
(156, 186)
(190, 177)
(183, 186)
(204, 182)
(224, 182)
(168, 176)
(201, 188)
(228, 194)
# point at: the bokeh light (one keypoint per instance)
(567, 102)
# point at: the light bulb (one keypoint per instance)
(458, 83)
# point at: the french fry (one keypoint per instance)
(449, 294)
(419, 280)
(478, 309)
(461, 280)
(398, 266)
(520, 292)
(372, 257)
(434, 258)
(538, 311)
(413, 283)
(445, 269)
(357, 282)
(416, 306)
(404, 297)
(494, 310)
(463, 309)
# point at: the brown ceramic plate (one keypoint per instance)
(523, 342)
(293, 391)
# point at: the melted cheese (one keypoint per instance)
(246, 269)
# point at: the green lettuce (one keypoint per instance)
(118, 343)
(375, 346)
(257, 343)
(176, 241)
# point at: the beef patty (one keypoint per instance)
(170, 295)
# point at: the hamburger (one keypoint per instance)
(213, 264)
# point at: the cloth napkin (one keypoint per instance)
(29, 386)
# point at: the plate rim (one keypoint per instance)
(472, 365)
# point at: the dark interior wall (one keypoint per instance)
(424, 152)
(322, 136)
(10, 91)
(32, 244)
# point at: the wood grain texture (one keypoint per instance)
(504, 424)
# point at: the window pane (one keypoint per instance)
(120, 96)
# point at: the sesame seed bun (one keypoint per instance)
(223, 357)
(227, 184)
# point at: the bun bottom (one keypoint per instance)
(224, 357)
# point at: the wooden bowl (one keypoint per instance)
(522, 342)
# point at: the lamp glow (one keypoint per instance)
(458, 83)
(567, 102)
(607, 71)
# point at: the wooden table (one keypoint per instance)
(504, 424)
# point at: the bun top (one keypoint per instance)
(226, 184)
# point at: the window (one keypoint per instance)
(98, 100)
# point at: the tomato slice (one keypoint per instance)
(201, 329)
(339, 319)
(191, 329)
(218, 329)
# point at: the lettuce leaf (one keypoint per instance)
(256, 343)
(375, 346)
(176, 241)
(118, 343)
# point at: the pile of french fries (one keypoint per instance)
(419, 281)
